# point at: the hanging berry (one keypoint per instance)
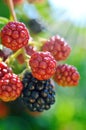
(66, 75)
(58, 47)
(37, 95)
(10, 87)
(14, 35)
(43, 65)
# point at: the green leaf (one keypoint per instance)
(3, 21)
(4, 10)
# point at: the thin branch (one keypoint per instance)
(11, 7)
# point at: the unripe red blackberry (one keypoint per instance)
(14, 35)
(10, 87)
(66, 75)
(4, 69)
(37, 95)
(43, 65)
(58, 47)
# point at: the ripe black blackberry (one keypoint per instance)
(37, 95)
(36, 26)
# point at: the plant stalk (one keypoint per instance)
(11, 7)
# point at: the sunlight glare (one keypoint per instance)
(75, 9)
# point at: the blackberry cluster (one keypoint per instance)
(37, 95)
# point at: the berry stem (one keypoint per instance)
(11, 7)
(11, 58)
(27, 58)
(37, 44)
(14, 55)
(1, 59)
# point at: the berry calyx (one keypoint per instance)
(37, 95)
(4, 69)
(43, 65)
(66, 75)
(10, 87)
(58, 47)
(14, 35)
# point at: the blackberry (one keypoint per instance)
(10, 87)
(58, 47)
(43, 65)
(66, 75)
(14, 35)
(37, 95)
(36, 26)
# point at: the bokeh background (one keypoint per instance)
(66, 18)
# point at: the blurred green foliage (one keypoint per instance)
(3, 21)
(4, 10)
(69, 111)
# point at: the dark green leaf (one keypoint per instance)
(4, 10)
